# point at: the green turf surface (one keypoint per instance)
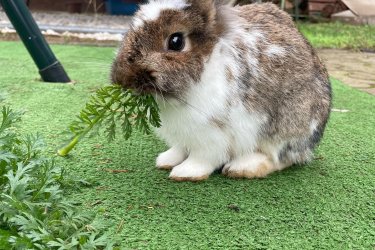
(339, 35)
(327, 204)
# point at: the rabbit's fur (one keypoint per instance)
(248, 92)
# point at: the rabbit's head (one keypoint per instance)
(167, 45)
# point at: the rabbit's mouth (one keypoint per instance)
(146, 88)
(143, 80)
(138, 79)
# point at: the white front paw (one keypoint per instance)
(170, 158)
(191, 171)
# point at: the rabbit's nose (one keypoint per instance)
(134, 77)
(142, 80)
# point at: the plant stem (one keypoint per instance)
(65, 150)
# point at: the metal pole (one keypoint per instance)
(49, 67)
(282, 4)
(296, 9)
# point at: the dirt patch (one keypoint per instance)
(356, 69)
(93, 39)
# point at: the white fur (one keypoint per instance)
(193, 169)
(151, 11)
(275, 50)
(313, 126)
(238, 33)
(171, 157)
(191, 127)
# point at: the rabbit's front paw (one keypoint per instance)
(170, 158)
(252, 166)
(191, 170)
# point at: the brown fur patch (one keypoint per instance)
(261, 171)
(191, 179)
(230, 152)
(294, 83)
(229, 74)
(217, 122)
(165, 167)
(143, 58)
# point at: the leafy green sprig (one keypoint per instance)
(112, 106)
(34, 213)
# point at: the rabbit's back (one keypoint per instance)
(290, 84)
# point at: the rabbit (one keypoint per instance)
(240, 90)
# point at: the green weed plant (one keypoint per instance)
(34, 213)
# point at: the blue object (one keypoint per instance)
(121, 7)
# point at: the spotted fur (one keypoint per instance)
(248, 93)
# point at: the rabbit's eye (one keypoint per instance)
(176, 42)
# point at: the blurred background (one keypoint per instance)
(311, 8)
(343, 31)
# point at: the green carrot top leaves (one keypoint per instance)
(112, 106)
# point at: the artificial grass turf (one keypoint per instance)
(336, 35)
(327, 204)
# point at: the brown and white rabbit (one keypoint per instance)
(238, 87)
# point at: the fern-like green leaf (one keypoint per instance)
(110, 107)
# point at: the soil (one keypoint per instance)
(356, 69)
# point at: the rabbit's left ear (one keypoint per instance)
(225, 2)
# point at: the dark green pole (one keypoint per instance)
(49, 67)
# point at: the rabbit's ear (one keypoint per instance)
(225, 2)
